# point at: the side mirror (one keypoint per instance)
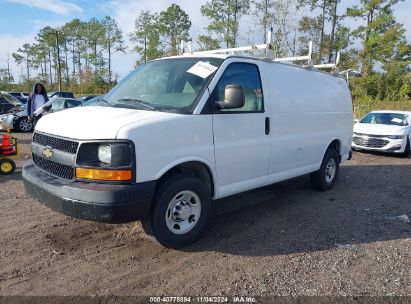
(71, 104)
(354, 73)
(233, 98)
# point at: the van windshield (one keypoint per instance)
(170, 85)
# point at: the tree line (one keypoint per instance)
(78, 55)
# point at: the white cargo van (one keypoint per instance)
(178, 133)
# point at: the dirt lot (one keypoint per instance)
(285, 239)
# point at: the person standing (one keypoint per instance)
(35, 101)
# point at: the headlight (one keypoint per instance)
(395, 136)
(104, 153)
(114, 154)
(111, 161)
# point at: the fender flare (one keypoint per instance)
(209, 165)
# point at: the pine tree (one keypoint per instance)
(225, 16)
(146, 36)
(174, 23)
(383, 38)
(112, 40)
(24, 55)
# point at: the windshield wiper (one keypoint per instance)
(102, 100)
(142, 103)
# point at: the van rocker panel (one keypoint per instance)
(110, 203)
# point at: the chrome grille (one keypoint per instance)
(60, 170)
(370, 142)
(56, 143)
(371, 135)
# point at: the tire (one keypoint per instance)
(325, 178)
(7, 166)
(407, 151)
(24, 125)
(181, 211)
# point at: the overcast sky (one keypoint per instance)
(20, 21)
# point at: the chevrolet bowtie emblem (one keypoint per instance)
(47, 152)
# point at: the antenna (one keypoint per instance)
(182, 46)
(190, 47)
(269, 43)
(310, 53)
(269, 39)
(337, 63)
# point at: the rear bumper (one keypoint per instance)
(91, 201)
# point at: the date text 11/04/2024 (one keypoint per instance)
(203, 299)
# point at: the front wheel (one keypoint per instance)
(23, 124)
(326, 176)
(181, 211)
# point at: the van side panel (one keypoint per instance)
(309, 109)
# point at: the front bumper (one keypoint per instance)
(391, 145)
(91, 201)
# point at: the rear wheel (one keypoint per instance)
(7, 166)
(326, 176)
(181, 211)
(23, 124)
(407, 151)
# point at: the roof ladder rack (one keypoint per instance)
(268, 46)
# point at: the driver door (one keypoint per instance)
(241, 141)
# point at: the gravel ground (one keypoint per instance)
(284, 239)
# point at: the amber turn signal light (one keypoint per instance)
(104, 175)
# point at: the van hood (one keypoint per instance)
(92, 122)
(379, 129)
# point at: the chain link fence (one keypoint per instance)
(362, 109)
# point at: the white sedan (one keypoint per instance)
(385, 131)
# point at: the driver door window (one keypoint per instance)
(248, 77)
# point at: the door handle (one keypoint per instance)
(267, 125)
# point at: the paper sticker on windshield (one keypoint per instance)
(396, 120)
(202, 69)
